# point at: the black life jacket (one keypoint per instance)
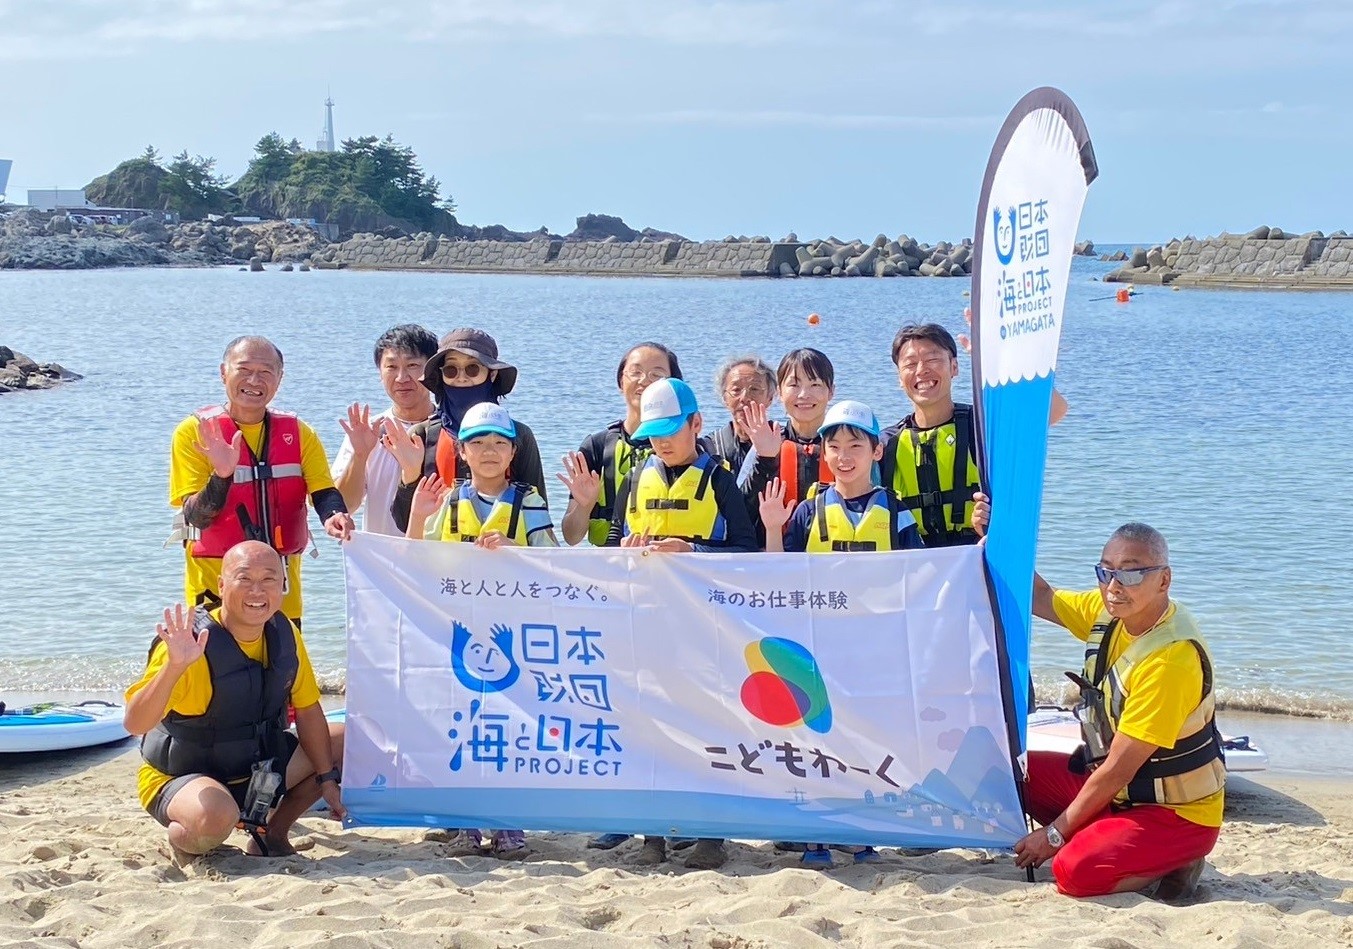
(245, 720)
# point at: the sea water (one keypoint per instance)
(1222, 418)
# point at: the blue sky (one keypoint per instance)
(712, 116)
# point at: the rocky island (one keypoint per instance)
(17, 372)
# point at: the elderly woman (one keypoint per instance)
(743, 382)
(464, 372)
(593, 473)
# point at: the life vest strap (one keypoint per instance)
(962, 491)
(518, 499)
(211, 736)
(667, 504)
(1202, 748)
(850, 546)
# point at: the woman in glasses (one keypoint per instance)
(464, 372)
(593, 473)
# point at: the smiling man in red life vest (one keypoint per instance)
(241, 471)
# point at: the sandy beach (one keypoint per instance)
(84, 866)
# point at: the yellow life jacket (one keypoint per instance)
(1194, 767)
(458, 519)
(833, 531)
(618, 456)
(685, 509)
(923, 476)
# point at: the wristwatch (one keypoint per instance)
(1054, 835)
(333, 774)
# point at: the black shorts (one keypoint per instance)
(159, 807)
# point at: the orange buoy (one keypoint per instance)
(1123, 295)
(814, 319)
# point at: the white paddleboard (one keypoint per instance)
(52, 727)
(1056, 729)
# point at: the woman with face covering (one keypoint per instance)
(464, 372)
(594, 472)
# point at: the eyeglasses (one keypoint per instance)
(1131, 577)
(473, 371)
(754, 391)
(636, 374)
(933, 363)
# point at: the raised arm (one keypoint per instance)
(203, 507)
(146, 707)
(1043, 593)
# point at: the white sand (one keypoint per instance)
(82, 865)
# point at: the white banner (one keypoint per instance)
(845, 699)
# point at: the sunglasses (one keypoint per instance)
(472, 371)
(1131, 577)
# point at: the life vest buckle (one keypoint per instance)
(667, 504)
(851, 546)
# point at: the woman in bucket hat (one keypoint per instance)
(464, 372)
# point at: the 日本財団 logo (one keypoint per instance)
(785, 687)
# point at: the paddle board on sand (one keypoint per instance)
(1056, 729)
(53, 727)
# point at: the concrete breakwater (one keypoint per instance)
(1265, 257)
(790, 257)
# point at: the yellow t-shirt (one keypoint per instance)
(192, 695)
(1162, 689)
(189, 471)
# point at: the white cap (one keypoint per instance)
(852, 413)
(484, 419)
(664, 408)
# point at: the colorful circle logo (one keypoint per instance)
(785, 687)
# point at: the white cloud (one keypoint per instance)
(51, 29)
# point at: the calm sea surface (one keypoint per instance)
(1223, 418)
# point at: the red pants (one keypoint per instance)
(1145, 841)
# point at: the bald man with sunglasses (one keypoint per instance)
(1140, 805)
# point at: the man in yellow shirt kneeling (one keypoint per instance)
(211, 708)
(1141, 805)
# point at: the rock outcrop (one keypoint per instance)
(1264, 257)
(34, 240)
(17, 372)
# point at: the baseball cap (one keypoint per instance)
(852, 413)
(664, 408)
(484, 419)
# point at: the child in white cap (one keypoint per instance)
(490, 512)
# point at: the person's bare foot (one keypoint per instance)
(181, 858)
(278, 846)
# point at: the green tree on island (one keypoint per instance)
(188, 186)
(370, 184)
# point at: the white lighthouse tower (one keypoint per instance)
(326, 142)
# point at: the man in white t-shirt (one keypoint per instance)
(364, 469)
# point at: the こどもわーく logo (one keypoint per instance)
(785, 687)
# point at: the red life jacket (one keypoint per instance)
(271, 491)
(796, 469)
(450, 466)
(447, 460)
